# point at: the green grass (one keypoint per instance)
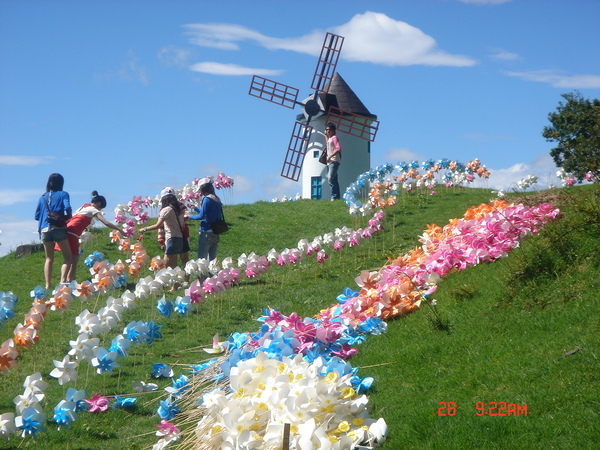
(509, 323)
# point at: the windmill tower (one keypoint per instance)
(326, 107)
(356, 151)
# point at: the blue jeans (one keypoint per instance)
(207, 245)
(332, 175)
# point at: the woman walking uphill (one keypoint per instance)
(57, 200)
(211, 210)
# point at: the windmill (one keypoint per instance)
(314, 106)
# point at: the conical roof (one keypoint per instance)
(340, 95)
(345, 97)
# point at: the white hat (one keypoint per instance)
(167, 191)
(204, 180)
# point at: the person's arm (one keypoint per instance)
(101, 218)
(200, 212)
(38, 210)
(159, 223)
(67, 205)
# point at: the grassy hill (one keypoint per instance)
(523, 330)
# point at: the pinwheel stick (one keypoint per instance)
(286, 437)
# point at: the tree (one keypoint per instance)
(576, 127)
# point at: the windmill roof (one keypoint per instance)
(340, 95)
(345, 96)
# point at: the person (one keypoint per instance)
(54, 199)
(334, 155)
(211, 209)
(171, 217)
(78, 223)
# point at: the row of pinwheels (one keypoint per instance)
(407, 176)
(137, 210)
(107, 276)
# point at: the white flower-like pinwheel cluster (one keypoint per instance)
(324, 410)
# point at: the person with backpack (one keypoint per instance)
(53, 210)
(211, 210)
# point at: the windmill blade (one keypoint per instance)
(354, 124)
(273, 91)
(330, 53)
(294, 157)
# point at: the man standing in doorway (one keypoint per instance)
(334, 156)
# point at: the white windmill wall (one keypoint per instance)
(356, 159)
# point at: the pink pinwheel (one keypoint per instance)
(195, 292)
(97, 403)
(322, 256)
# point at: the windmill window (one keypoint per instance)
(316, 153)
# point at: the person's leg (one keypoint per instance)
(66, 251)
(214, 244)
(49, 250)
(203, 245)
(171, 261)
(332, 175)
(72, 273)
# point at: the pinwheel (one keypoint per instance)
(164, 307)
(28, 398)
(105, 361)
(7, 425)
(217, 347)
(77, 397)
(168, 409)
(123, 402)
(160, 370)
(24, 336)
(88, 323)
(167, 432)
(97, 403)
(120, 345)
(83, 347)
(64, 413)
(30, 422)
(65, 370)
(142, 386)
(8, 356)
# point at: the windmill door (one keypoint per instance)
(316, 188)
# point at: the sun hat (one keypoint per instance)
(167, 191)
(204, 180)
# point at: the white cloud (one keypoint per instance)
(370, 37)
(401, 154)
(503, 55)
(12, 196)
(21, 160)
(17, 233)
(556, 79)
(216, 68)
(542, 166)
(376, 38)
(174, 56)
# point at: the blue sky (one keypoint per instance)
(126, 97)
